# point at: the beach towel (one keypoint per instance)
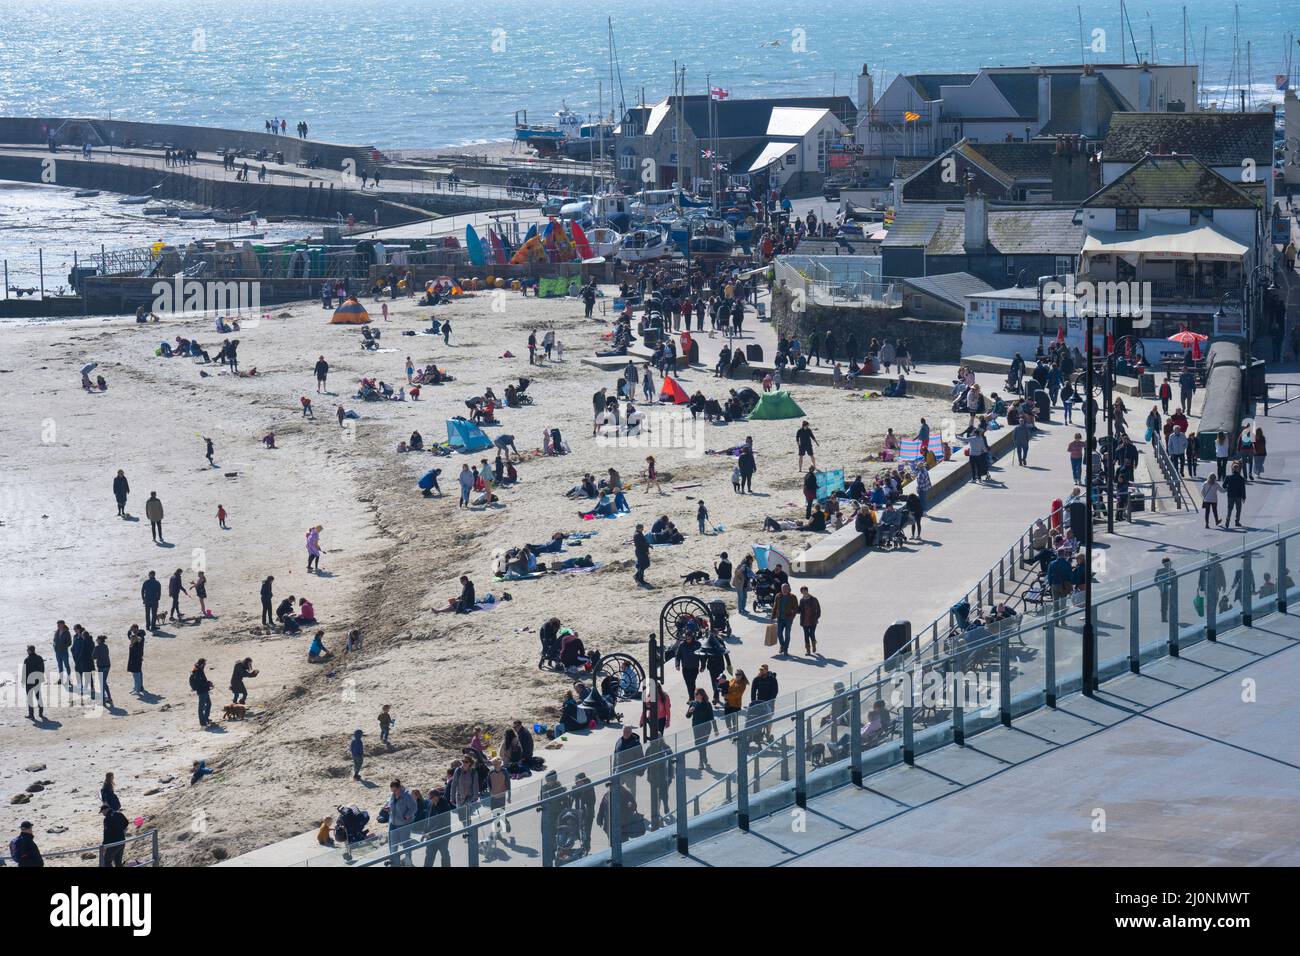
(909, 449)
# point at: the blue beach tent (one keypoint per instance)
(465, 436)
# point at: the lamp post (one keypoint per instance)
(1089, 666)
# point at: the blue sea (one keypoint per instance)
(426, 73)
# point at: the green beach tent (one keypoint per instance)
(776, 404)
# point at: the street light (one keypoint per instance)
(1089, 666)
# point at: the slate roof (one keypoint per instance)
(927, 84)
(1019, 231)
(1216, 139)
(1065, 104)
(1013, 162)
(1170, 182)
(914, 225)
(951, 287)
(1020, 90)
(905, 167)
(738, 119)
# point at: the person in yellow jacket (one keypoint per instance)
(734, 699)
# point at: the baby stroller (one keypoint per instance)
(889, 530)
(350, 825)
(520, 389)
(568, 836)
(1013, 385)
(764, 590)
(719, 622)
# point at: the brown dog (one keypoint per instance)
(235, 711)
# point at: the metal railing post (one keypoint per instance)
(471, 843)
(1004, 677)
(909, 746)
(1134, 650)
(615, 817)
(855, 737)
(1173, 616)
(1281, 574)
(958, 714)
(1247, 586)
(683, 831)
(800, 762)
(1211, 603)
(1049, 670)
(153, 841)
(742, 781)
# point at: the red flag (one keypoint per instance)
(718, 93)
(1060, 335)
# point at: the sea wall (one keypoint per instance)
(928, 339)
(73, 131)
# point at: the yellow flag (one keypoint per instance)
(911, 117)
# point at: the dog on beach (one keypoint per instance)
(697, 577)
(235, 711)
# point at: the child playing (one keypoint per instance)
(386, 721)
(701, 515)
(221, 518)
(306, 407)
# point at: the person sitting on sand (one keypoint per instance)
(417, 442)
(584, 489)
(603, 508)
(306, 612)
(284, 613)
(318, 653)
(269, 439)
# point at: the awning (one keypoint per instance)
(772, 153)
(1201, 242)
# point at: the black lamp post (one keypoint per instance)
(1089, 667)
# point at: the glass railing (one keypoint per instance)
(723, 773)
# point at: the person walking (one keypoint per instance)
(153, 510)
(208, 451)
(83, 659)
(323, 371)
(358, 751)
(314, 548)
(1166, 395)
(762, 696)
(652, 475)
(805, 439)
(102, 666)
(1235, 486)
(33, 681)
(1261, 451)
(700, 712)
(151, 595)
(810, 612)
(785, 608)
(1221, 452)
(113, 846)
(135, 660)
(741, 579)
(62, 645)
(466, 480)
(174, 591)
(121, 488)
(747, 465)
(1020, 435)
(267, 595)
(532, 347)
(641, 549)
(1176, 445)
(1210, 499)
(809, 492)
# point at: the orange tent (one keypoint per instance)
(350, 312)
(673, 392)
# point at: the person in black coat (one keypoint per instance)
(438, 825)
(121, 488)
(83, 659)
(747, 465)
(115, 825)
(268, 617)
(33, 678)
(102, 664)
(641, 547)
(175, 588)
(688, 661)
(151, 595)
(135, 660)
(24, 848)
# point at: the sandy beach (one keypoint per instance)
(391, 556)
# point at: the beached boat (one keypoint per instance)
(605, 242)
(160, 210)
(194, 214)
(134, 200)
(648, 242)
(232, 215)
(712, 237)
(86, 193)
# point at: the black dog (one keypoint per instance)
(697, 577)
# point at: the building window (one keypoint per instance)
(1126, 219)
(627, 162)
(1020, 322)
(791, 159)
(1011, 267)
(672, 134)
(1064, 265)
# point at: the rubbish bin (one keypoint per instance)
(1043, 402)
(754, 353)
(897, 636)
(1057, 505)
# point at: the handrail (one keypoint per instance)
(1166, 465)
(153, 859)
